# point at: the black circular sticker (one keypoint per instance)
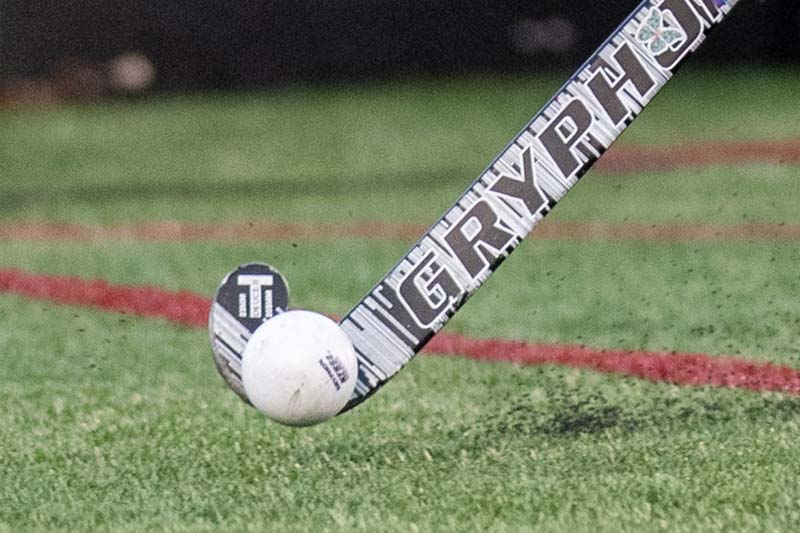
(253, 293)
(247, 297)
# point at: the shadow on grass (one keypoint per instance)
(20, 196)
(575, 412)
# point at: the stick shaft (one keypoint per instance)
(543, 162)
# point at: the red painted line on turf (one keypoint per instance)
(191, 310)
(230, 232)
(182, 307)
(621, 159)
(170, 231)
(629, 159)
(678, 368)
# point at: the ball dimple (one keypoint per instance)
(299, 368)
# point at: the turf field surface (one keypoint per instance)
(120, 422)
(187, 309)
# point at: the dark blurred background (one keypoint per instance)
(87, 48)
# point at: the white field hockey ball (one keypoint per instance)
(299, 368)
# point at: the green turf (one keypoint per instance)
(722, 195)
(139, 161)
(680, 296)
(113, 422)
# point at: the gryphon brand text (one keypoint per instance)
(531, 175)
